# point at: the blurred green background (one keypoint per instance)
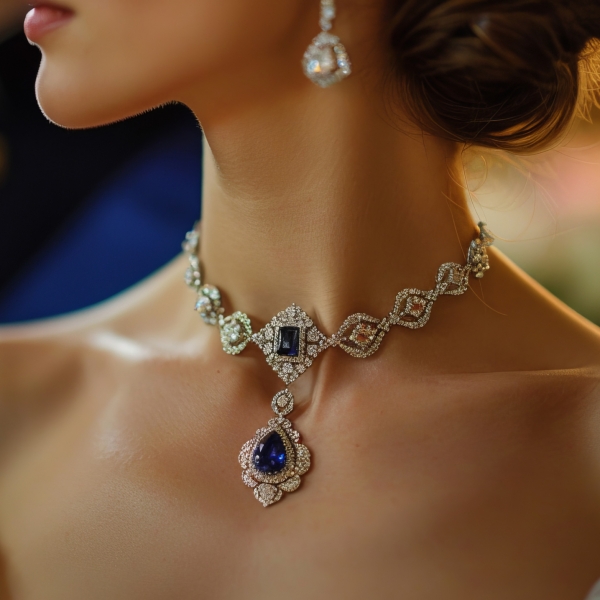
(545, 210)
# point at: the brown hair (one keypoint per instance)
(497, 73)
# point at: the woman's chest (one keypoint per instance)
(92, 533)
(144, 499)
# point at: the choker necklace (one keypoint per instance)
(274, 459)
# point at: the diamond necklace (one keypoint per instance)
(274, 459)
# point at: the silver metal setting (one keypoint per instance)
(360, 335)
(452, 279)
(312, 342)
(208, 304)
(269, 488)
(477, 258)
(191, 246)
(236, 332)
(326, 60)
(283, 403)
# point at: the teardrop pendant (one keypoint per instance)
(274, 460)
(326, 60)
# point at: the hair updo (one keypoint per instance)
(497, 73)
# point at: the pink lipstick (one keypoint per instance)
(44, 18)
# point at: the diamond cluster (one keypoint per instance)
(477, 259)
(208, 304)
(326, 60)
(269, 487)
(311, 342)
(191, 246)
(236, 332)
(360, 335)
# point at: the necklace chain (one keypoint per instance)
(360, 335)
(273, 461)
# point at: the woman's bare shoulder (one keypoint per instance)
(556, 411)
(45, 358)
(556, 392)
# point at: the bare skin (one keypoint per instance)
(460, 461)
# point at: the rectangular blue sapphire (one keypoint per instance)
(289, 341)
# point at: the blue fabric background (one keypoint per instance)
(129, 228)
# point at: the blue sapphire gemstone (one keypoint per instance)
(289, 341)
(269, 456)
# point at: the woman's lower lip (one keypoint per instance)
(43, 19)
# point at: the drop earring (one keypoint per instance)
(326, 61)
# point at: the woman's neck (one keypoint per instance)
(320, 201)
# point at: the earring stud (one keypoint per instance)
(326, 61)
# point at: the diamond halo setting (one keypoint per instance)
(291, 342)
(326, 60)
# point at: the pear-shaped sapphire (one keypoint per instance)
(269, 456)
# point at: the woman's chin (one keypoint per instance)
(70, 119)
(72, 99)
(71, 110)
(62, 106)
(62, 117)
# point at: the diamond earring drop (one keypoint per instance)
(326, 61)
